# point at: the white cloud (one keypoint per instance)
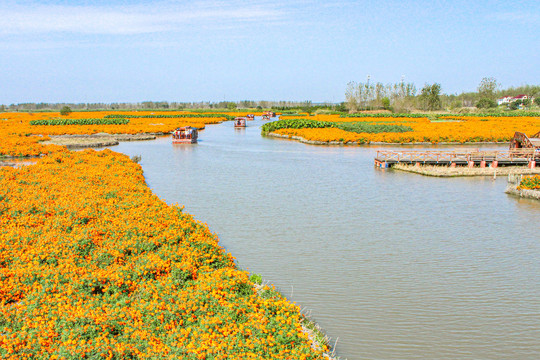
(127, 20)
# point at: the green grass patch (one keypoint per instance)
(356, 127)
(162, 116)
(88, 121)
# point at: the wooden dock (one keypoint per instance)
(471, 158)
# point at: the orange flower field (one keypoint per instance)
(453, 129)
(94, 265)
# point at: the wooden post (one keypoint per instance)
(482, 164)
(532, 164)
(494, 163)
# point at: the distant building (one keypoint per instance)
(511, 99)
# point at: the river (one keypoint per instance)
(392, 265)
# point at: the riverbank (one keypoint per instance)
(446, 171)
(357, 143)
(95, 140)
(513, 188)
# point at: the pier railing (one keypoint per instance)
(462, 156)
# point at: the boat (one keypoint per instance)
(239, 122)
(250, 116)
(185, 135)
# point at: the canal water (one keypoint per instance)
(391, 265)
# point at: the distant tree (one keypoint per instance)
(231, 105)
(351, 96)
(340, 107)
(488, 88)
(515, 104)
(385, 103)
(2, 108)
(65, 110)
(537, 101)
(486, 103)
(430, 96)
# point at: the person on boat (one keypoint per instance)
(188, 133)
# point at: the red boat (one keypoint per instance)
(185, 135)
(250, 117)
(239, 122)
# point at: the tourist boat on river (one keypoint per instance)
(185, 135)
(239, 122)
(250, 116)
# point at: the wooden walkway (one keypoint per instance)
(517, 157)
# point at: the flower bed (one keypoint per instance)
(396, 129)
(94, 265)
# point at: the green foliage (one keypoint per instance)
(385, 103)
(65, 110)
(430, 96)
(162, 116)
(89, 121)
(537, 101)
(486, 103)
(515, 105)
(487, 88)
(295, 124)
(357, 127)
(365, 127)
(530, 182)
(256, 279)
(383, 115)
(231, 106)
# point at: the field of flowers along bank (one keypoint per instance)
(21, 133)
(93, 265)
(453, 129)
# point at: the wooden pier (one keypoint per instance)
(471, 158)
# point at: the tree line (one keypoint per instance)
(403, 97)
(165, 105)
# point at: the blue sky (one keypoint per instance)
(130, 51)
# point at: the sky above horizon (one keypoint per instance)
(183, 51)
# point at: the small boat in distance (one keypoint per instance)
(250, 116)
(239, 122)
(185, 135)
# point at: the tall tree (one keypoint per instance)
(488, 88)
(350, 96)
(431, 96)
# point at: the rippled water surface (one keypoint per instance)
(393, 265)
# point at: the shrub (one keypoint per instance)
(486, 103)
(65, 110)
